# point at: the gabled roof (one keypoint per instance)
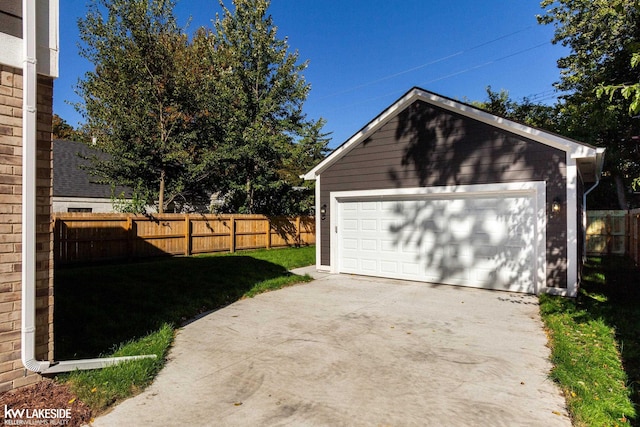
(70, 178)
(588, 158)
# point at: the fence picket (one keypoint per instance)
(87, 237)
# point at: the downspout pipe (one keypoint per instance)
(29, 224)
(599, 165)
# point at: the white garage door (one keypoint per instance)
(470, 240)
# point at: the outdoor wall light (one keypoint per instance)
(323, 212)
(555, 205)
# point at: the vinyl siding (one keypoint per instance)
(426, 146)
(11, 17)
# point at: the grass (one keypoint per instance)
(595, 343)
(133, 309)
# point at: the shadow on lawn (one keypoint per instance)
(98, 306)
(617, 279)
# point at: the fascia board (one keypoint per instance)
(573, 148)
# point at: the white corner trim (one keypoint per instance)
(537, 189)
(572, 228)
(318, 225)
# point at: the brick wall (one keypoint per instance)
(12, 373)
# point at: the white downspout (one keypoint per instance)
(29, 138)
(598, 172)
(29, 121)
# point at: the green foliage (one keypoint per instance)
(136, 204)
(184, 119)
(527, 112)
(63, 130)
(595, 344)
(602, 37)
(263, 91)
(136, 100)
(628, 91)
(102, 388)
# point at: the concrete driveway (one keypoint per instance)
(345, 350)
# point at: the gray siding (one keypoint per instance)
(11, 17)
(427, 146)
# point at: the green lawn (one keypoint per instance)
(595, 342)
(132, 309)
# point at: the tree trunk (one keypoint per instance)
(621, 192)
(161, 193)
(249, 200)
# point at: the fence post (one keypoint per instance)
(636, 241)
(130, 237)
(187, 235)
(232, 234)
(298, 243)
(268, 227)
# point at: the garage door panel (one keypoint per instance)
(369, 266)
(350, 225)
(369, 245)
(388, 246)
(369, 225)
(350, 243)
(480, 242)
(390, 267)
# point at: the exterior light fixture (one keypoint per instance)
(555, 205)
(323, 212)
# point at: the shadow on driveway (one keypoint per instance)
(347, 350)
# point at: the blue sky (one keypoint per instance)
(364, 54)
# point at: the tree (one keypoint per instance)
(628, 91)
(263, 91)
(63, 130)
(60, 128)
(137, 101)
(602, 36)
(526, 112)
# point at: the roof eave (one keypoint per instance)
(574, 149)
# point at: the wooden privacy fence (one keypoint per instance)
(633, 225)
(85, 237)
(607, 232)
(614, 232)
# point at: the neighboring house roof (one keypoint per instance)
(70, 179)
(589, 159)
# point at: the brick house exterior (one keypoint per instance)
(12, 372)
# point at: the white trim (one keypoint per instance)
(97, 204)
(11, 52)
(572, 227)
(535, 188)
(48, 42)
(573, 148)
(318, 226)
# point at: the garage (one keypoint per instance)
(476, 237)
(438, 191)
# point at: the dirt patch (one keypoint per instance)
(44, 403)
